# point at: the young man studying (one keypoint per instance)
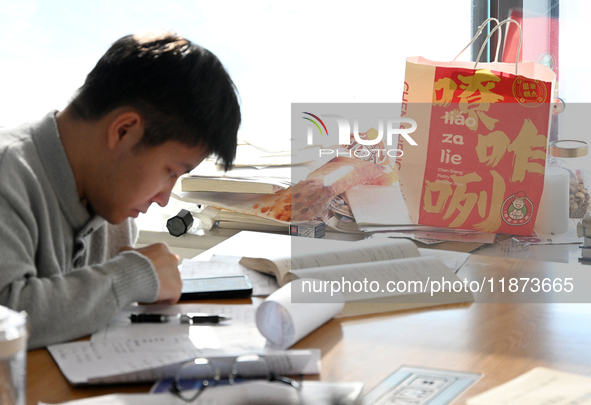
(152, 109)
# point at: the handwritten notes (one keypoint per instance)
(151, 358)
(240, 333)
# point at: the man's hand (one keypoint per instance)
(166, 264)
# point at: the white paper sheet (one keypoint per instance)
(378, 205)
(84, 361)
(239, 333)
(268, 245)
(539, 386)
(127, 352)
(151, 358)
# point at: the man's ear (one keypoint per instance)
(125, 130)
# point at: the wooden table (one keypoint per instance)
(499, 340)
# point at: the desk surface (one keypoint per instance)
(499, 340)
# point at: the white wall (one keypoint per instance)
(276, 52)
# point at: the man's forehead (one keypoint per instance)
(189, 156)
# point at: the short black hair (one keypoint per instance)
(182, 91)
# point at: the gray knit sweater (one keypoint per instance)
(57, 262)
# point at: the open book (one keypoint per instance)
(374, 275)
(303, 256)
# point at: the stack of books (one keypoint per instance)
(236, 220)
(584, 231)
(256, 179)
(256, 176)
(255, 171)
(255, 185)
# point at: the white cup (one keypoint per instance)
(13, 356)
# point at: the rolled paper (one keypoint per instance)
(284, 322)
(553, 210)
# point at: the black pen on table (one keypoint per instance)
(190, 318)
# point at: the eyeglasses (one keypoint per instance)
(193, 377)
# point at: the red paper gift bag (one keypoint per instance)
(481, 137)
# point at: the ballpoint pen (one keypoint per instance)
(190, 318)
